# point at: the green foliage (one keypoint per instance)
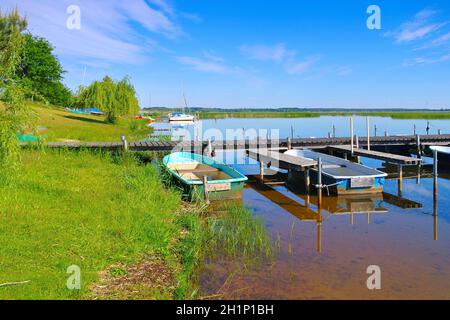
(116, 99)
(41, 73)
(90, 210)
(14, 116)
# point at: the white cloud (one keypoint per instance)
(106, 30)
(276, 53)
(299, 67)
(426, 60)
(203, 65)
(417, 28)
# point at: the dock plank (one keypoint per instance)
(280, 159)
(388, 157)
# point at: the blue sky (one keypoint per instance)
(251, 53)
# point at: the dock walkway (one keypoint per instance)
(388, 157)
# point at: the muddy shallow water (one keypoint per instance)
(326, 255)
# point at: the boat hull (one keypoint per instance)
(189, 170)
(296, 179)
(341, 176)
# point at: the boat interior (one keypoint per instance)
(195, 171)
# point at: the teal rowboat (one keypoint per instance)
(189, 170)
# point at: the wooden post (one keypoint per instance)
(368, 132)
(124, 143)
(289, 143)
(209, 148)
(205, 189)
(368, 217)
(319, 232)
(435, 220)
(319, 182)
(435, 174)
(307, 180)
(419, 148)
(418, 174)
(357, 147)
(400, 180)
(351, 133)
(261, 171)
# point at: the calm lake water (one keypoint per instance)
(302, 127)
(325, 255)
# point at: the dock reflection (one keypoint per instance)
(334, 206)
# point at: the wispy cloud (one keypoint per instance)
(419, 27)
(276, 53)
(438, 42)
(299, 67)
(204, 64)
(111, 31)
(426, 60)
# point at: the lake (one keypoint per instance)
(325, 255)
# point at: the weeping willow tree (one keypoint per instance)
(14, 115)
(115, 99)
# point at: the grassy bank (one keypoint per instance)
(431, 115)
(55, 124)
(94, 211)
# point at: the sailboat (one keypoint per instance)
(181, 116)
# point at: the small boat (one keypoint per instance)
(180, 116)
(443, 153)
(189, 169)
(342, 177)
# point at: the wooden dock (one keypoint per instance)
(280, 160)
(407, 140)
(384, 156)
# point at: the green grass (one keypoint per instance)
(431, 115)
(78, 208)
(60, 125)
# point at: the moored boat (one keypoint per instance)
(443, 154)
(341, 176)
(180, 116)
(189, 170)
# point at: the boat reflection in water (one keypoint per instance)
(309, 211)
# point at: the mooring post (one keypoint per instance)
(435, 174)
(368, 217)
(289, 143)
(319, 182)
(368, 132)
(400, 180)
(435, 220)
(351, 133)
(124, 143)
(319, 231)
(307, 180)
(357, 147)
(205, 189)
(419, 148)
(261, 170)
(418, 173)
(209, 148)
